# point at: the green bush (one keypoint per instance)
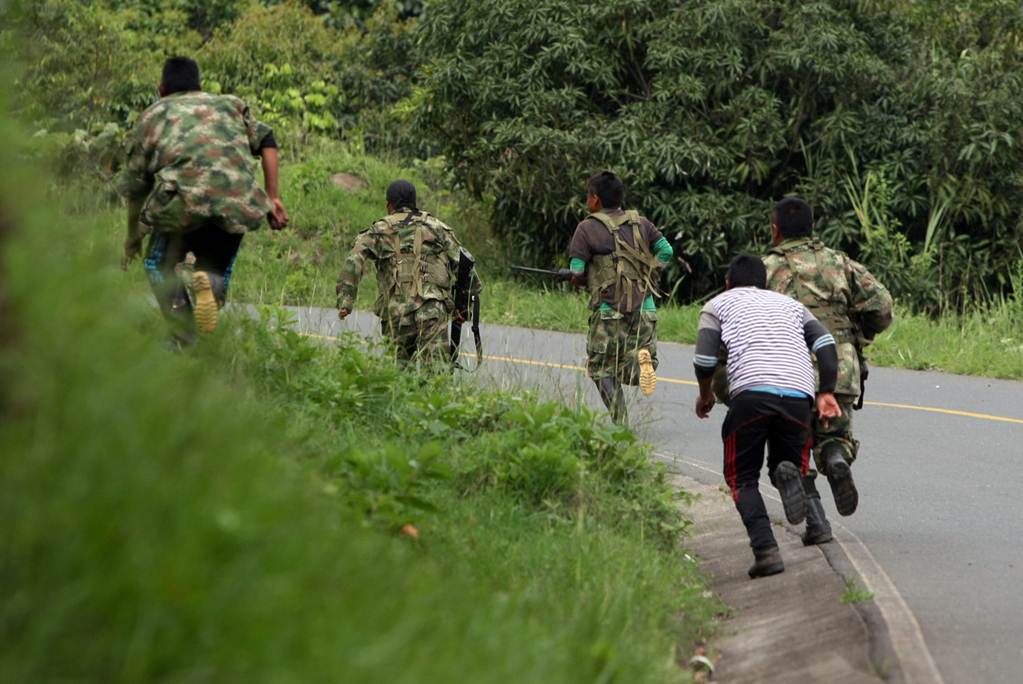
(545, 454)
(87, 63)
(713, 110)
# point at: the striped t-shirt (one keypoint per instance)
(768, 337)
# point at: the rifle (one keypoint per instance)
(466, 296)
(560, 274)
(864, 373)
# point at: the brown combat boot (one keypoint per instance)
(768, 562)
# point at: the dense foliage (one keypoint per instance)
(90, 66)
(896, 120)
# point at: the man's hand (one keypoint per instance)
(827, 408)
(457, 316)
(578, 279)
(132, 249)
(278, 215)
(343, 314)
(704, 405)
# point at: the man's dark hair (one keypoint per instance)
(747, 270)
(794, 217)
(402, 194)
(180, 75)
(608, 187)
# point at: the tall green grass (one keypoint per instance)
(300, 265)
(230, 514)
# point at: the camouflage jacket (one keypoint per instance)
(190, 161)
(840, 292)
(416, 258)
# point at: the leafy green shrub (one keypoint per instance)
(544, 453)
(712, 110)
(87, 63)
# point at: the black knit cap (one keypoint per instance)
(401, 194)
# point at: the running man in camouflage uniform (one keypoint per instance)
(416, 258)
(617, 255)
(191, 186)
(855, 307)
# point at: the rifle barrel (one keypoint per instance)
(562, 274)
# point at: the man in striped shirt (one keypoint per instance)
(769, 338)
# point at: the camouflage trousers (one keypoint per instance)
(838, 430)
(421, 336)
(613, 341)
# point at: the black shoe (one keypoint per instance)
(767, 562)
(840, 478)
(793, 498)
(818, 529)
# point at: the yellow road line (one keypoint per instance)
(950, 412)
(692, 383)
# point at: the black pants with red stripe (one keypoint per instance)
(756, 419)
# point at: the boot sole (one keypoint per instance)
(206, 311)
(843, 489)
(790, 486)
(647, 375)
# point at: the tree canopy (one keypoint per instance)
(897, 120)
(904, 141)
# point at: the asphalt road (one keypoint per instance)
(940, 476)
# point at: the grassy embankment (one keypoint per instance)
(300, 267)
(232, 515)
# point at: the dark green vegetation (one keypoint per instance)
(233, 514)
(897, 120)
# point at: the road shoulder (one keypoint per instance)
(789, 627)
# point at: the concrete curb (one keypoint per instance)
(789, 627)
(882, 651)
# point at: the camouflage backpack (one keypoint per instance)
(413, 261)
(628, 267)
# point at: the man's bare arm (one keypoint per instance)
(271, 175)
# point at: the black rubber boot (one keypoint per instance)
(767, 562)
(786, 478)
(840, 478)
(818, 529)
(613, 396)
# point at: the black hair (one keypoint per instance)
(747, 270)
(402, 194)
(608, 187)
(180, 75)
(794, 217)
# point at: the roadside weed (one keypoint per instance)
(855, 593)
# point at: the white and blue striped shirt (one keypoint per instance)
(769, 337)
